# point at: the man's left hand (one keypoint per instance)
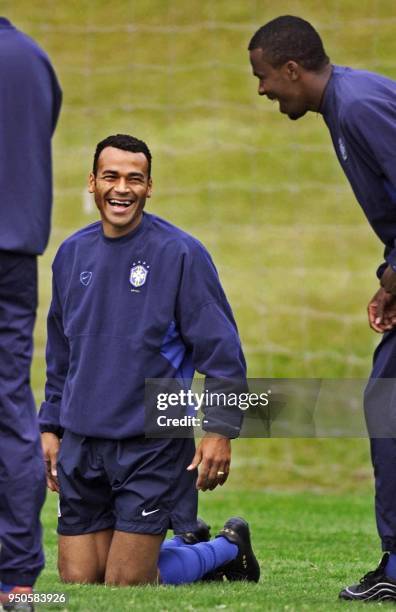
(214, 456)
(382, 311)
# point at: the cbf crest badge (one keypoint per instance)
(138, 274)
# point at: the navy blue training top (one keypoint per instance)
(359, 108)
(30, 101)
(146, 305)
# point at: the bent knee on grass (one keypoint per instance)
(82, 558)
(131, 576)
(116, 558)
(79, 575)
(133, 559)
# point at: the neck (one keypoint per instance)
(112, 231)
(317, 85)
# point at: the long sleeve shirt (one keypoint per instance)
(146, 305)
(30, 101)
(359, 109)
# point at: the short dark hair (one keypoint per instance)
(290, 38)
(124, 142)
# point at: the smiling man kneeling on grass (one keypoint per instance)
(134, 297)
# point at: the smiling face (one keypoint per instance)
(284, 84)
(120, 187)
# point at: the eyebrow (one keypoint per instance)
(131, 174)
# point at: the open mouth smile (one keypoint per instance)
(122, 203)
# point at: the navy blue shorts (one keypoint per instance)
(136, 485)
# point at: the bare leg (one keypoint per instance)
(82, 558)
(133, 559)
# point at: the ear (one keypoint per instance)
(293, 70)
(150, 188)
(91, 183)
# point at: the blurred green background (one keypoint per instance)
(265, 195)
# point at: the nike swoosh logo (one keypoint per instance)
(144, 513)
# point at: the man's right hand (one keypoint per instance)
(381, 311)
(51, 444)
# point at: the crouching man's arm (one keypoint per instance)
(209, 330)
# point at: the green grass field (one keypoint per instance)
(295, 254)
(266, 195)
(308, 545)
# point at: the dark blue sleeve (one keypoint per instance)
(57, 356)
(51, 85)
(372, 124)
(57, 99)
(208, 328)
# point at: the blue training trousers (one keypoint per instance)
(380, 411)
(22, 471)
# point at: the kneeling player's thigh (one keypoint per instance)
(83, 558)
(151, 487)
(85, 500)
(133, 558)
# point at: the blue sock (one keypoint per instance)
(173, 542)
(188, 563)
(390, 569)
